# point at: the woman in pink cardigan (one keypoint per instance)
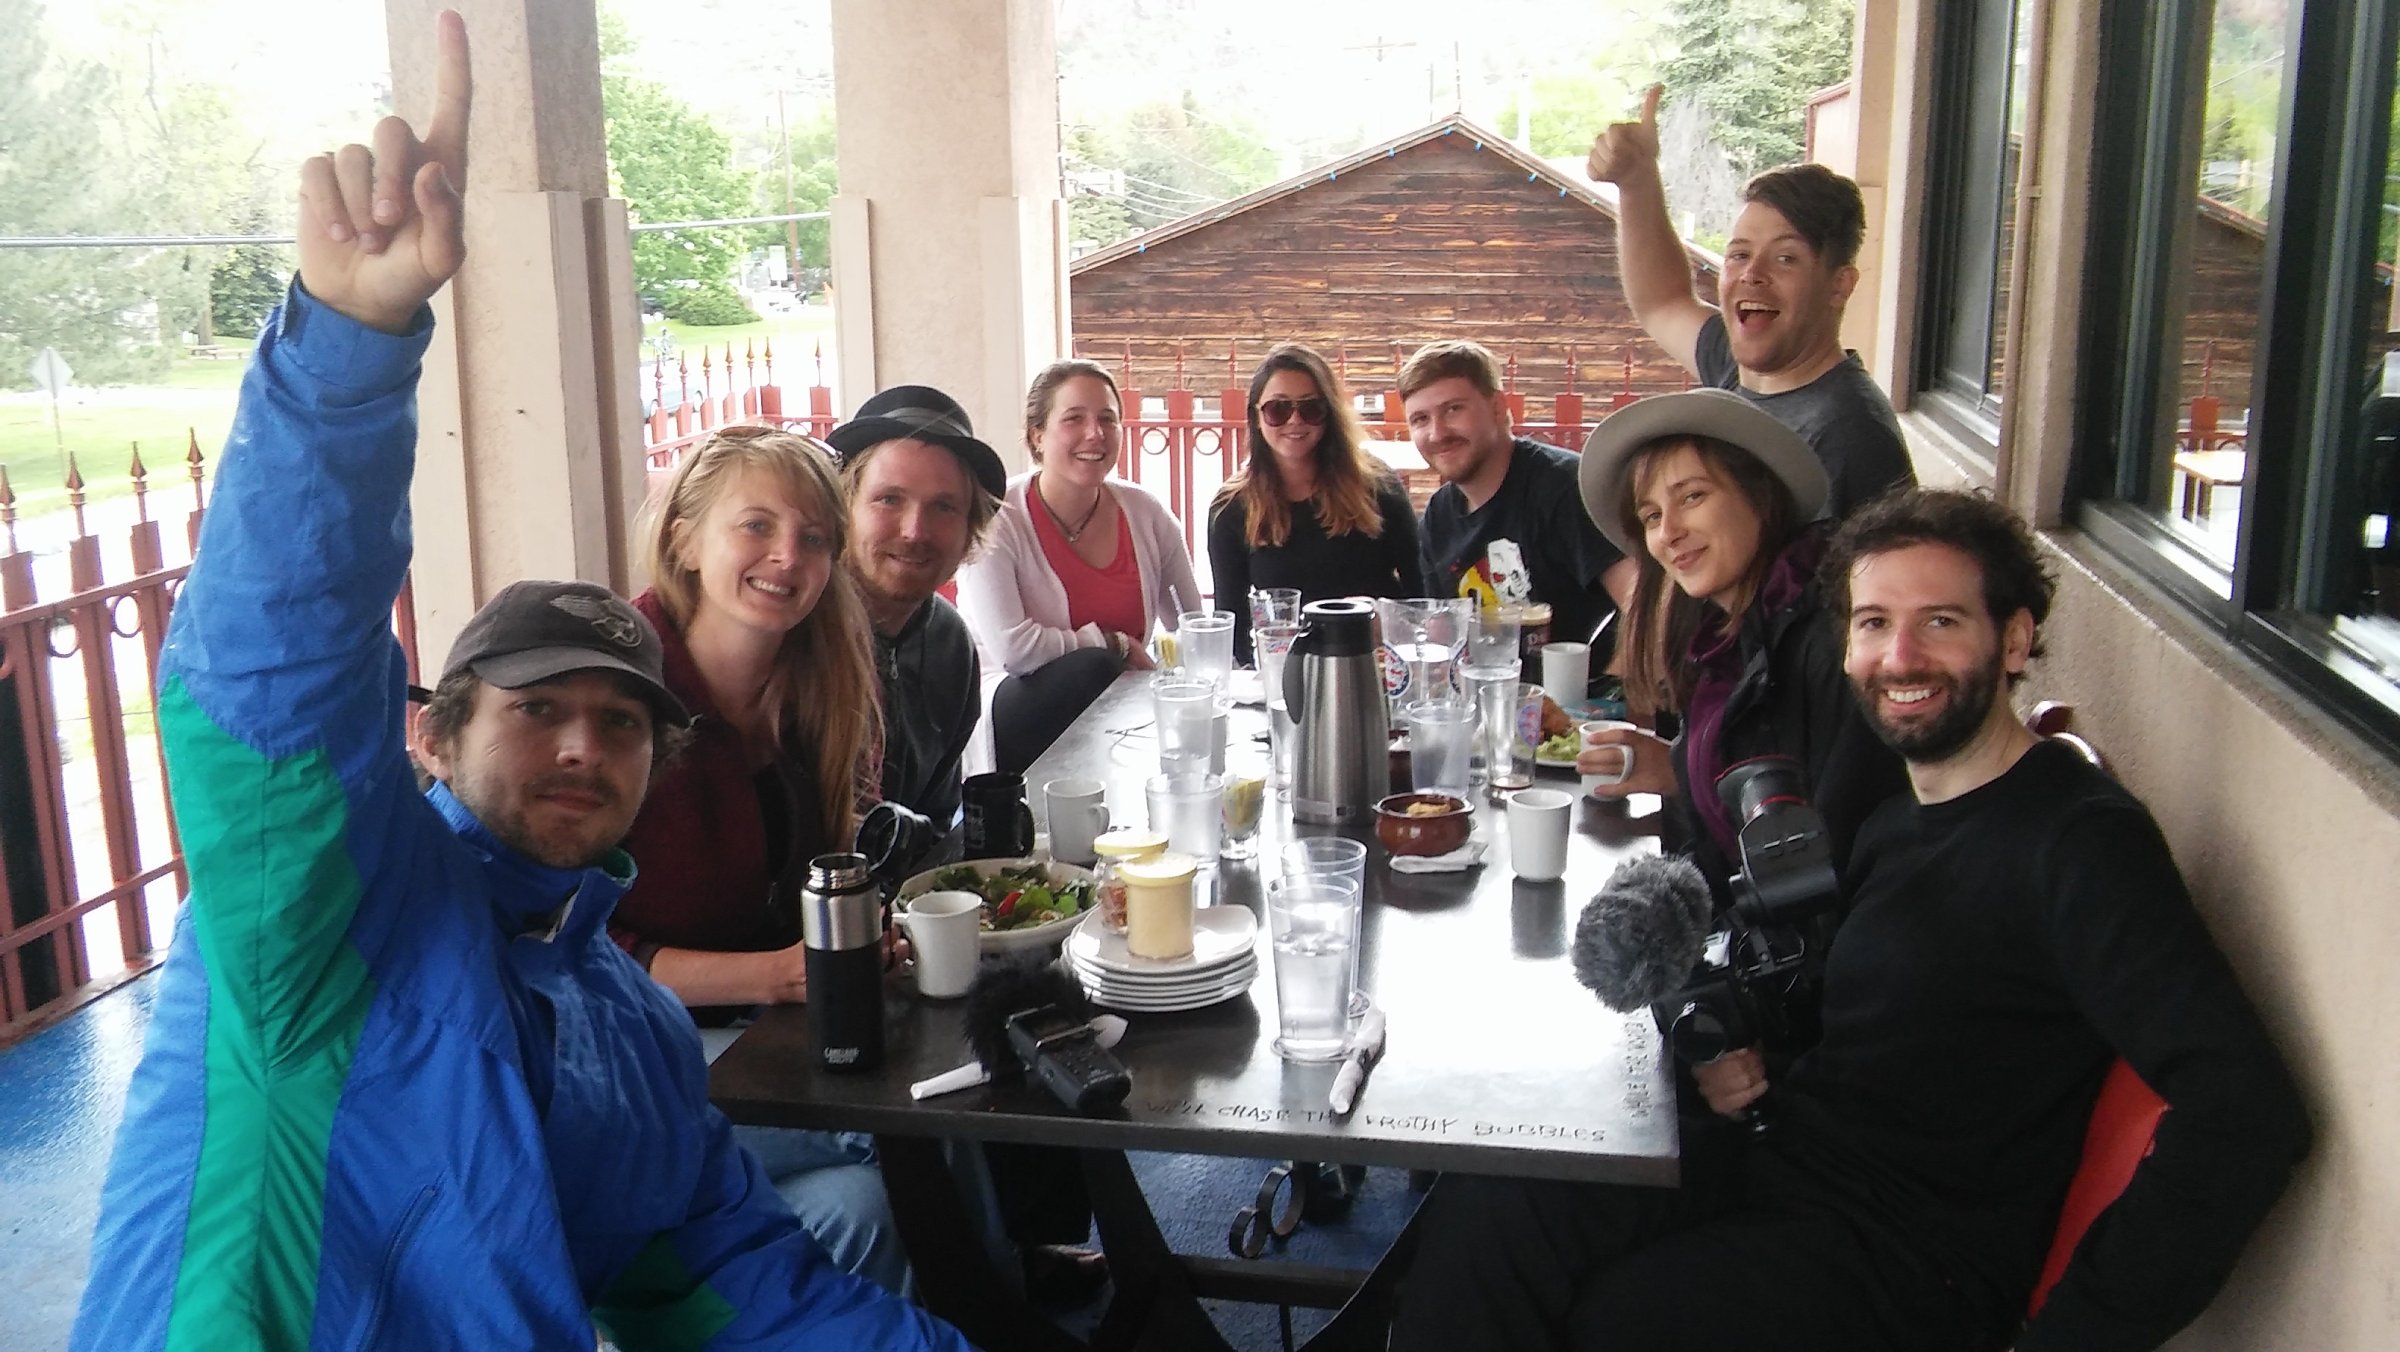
(1078, 569)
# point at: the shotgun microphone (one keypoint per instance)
(1033, 1014)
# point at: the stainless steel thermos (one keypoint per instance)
(1333, 689)
(841, 923)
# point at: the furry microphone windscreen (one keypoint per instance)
(1639, 938)
(1005, 988)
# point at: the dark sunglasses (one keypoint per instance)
(1277, 412)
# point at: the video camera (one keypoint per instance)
(1758, 978)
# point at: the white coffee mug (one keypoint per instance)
(1624, 750)
(1537, 833)
(1567, 672)
(1078, 813)
(946, 930)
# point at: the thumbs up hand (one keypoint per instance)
(1627, 147)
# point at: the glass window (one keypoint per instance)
(1979, 144)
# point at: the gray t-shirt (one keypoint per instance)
(1842, 414)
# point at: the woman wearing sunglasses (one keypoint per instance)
(1078, 569)
(1310, 509)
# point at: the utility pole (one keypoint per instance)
(791, 229)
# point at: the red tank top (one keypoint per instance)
(1110, 596)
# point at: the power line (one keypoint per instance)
(191, 241)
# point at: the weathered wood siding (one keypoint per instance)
(1438, 240)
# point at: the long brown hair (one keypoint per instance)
(1663, 621)
(821, 696)
(1347, 477)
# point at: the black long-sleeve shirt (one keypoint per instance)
(1320, 565)
(2002, 948)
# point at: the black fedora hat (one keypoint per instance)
(921, 413)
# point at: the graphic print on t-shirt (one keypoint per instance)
(1499, 579)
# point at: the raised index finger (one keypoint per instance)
(453, 92)
(1650, 105)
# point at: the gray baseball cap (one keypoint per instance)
(535, 631)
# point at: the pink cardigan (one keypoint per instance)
(1016, 605)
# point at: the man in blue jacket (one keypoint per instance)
(401, 1091)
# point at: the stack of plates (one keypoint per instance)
(1222, 963)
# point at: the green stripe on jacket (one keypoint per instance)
(274, 891)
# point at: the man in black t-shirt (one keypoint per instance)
(2017, 925)
(1507, 524)
(1775, 334)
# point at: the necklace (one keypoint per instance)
(1074, 532)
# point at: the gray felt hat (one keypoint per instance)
(1721, 414)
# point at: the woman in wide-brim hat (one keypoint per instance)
(1717, 500)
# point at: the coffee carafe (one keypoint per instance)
(1333, 691)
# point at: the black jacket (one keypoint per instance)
(1789, 697)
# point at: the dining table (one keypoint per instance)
(1496, 1062)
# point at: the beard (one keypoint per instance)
(1966, 703)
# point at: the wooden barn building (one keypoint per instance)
(1446, 232)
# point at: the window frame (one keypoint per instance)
(1944, 300)
(2312, 296)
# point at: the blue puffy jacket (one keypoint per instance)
(394, 1096)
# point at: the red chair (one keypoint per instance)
(2124, 1121)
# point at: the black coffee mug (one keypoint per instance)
(999, 825)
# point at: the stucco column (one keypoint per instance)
(529, 447)
(948, 239)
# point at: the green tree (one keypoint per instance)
(1752, 65)
(248, 279)
(670, 163)
(1570, 107)
(1178, 159)
(56, 178)
(810, 144)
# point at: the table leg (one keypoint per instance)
(1154, 1304)
(955, 1278)
(1364, 1323)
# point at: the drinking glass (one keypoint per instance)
(1345, 861)
(1480, 680)
(1493, 639)
(1274, 605)
(1313, 924)
(1190, 809)
(1186, 713)
(1512, 730)
(1273, 644)
(1440, 739)
(1204, 639)
(1426, 634)
(1245, 802)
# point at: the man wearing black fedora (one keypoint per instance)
(922, 490)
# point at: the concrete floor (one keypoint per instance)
(62, 1092)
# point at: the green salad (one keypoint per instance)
(1564, 747)
(1016, 898)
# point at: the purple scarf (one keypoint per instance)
(1722, 657)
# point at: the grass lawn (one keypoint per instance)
(101, 426)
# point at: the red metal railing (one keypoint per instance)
(718, 392)
(87, 839)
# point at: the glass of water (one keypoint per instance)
(1313, 924)
(1274, 605)
(1344, 861)
(1204, 642)
(1190, 809)
(1441, 738)
(1186, 711)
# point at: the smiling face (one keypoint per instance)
(1077, 442)
(555, 770)
(1782, 303)
(759, 555)
(1697, 523)
(1462, 432)
(1924, 655)
(909, 515)
(1295, 443)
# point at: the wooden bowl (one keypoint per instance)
(1426, 832)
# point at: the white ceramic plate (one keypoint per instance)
(1165, 981)
(1221, 935)
(1168, 1004)
(1016, 940)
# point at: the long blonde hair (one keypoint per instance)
(1347, 477)
(822, 692)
